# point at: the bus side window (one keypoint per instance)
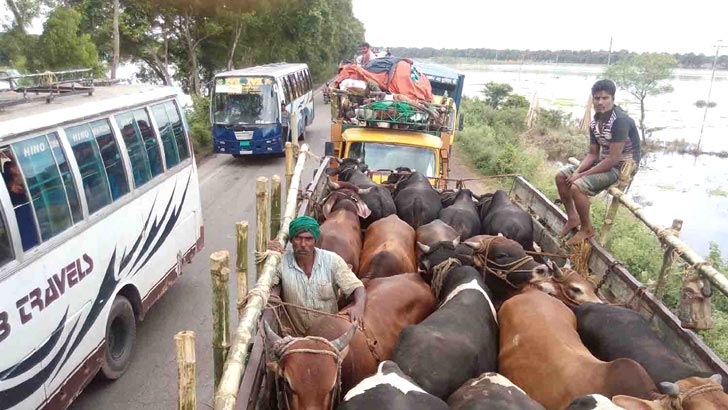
(90, 164)
(171, 154)
(175, 119)
(45, 185)
(6, 248)
(111, 156)
(18, 191)
(150, 141)
(309, 83)
(71, 190)
(135, 147)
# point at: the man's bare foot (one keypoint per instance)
(580, 237)
(569, 226)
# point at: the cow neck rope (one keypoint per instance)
(568, 300)
(676, 402)
(502, 271)
(275, 301)
(439, 273)
(281, 350)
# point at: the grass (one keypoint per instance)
(718, 192)
(496, 142)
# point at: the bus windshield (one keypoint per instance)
(386, 156)
(244, 100)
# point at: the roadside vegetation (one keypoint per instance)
(496, 141)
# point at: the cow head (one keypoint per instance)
(347, 168)
(568, 286)
(308, 368)
(343, 195)
(440, 252)
(693, 393)
(507, 260)
(695, 309)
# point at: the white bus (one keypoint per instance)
(256, 110)
(100, 208)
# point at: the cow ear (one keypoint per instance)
(273, 367)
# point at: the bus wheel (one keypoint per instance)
(120, 336)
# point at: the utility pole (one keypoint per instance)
(609, 56)
(710, 88)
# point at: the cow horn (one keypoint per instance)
(332, 185)
(424, 248)
(557, 272)
(718, 379)
(366, 190)
(475, 245)
(669, 388)
(343, 340)
(270, 336)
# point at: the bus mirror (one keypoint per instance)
(329, 149)
(461, 122)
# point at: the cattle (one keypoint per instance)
(416, 201)
(568, 286)
(458, 341)
(462, 215)
(389, 389)
(693, 393)
(433, 232)
(602, 328)
(541, 352)
(491, 391)
(392, 303)
(341, 230)
(498, 215)
(379, 200)
(505, 266)
(592, 402)
(389, 249)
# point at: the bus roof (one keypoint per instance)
(39, 115)
(390, 136)
(273, 70)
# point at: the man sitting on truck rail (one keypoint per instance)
(311, 277)
(613, 142)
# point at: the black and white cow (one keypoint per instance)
(389, 389)
(491, 391)
(499, 215)
(613, 332)
(592, 402)
(457, 342)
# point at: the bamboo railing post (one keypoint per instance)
(275, 204)
(262, 228)
(227, 392)
(667, 260)
(219, 262)
(186, 370)
(289, 164)
(625, 176)
(241, 264)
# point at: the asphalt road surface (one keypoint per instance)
(228, 196)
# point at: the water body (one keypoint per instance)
(668, 185)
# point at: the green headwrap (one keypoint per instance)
(304, 223)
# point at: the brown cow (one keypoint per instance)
(541, 352)
(341, 231)
(389, 249)
(392, 303)
(693, 393)
(568, 286)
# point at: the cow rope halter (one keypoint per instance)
(281, 350)
(501, 271)
(561, 283)
(439, 273)
(678, 401)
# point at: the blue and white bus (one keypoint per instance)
(256, 110)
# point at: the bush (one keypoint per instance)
(199, 122)
(552, 118)
(560, 145)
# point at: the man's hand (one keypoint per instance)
(356, 313)
(572, 178)
(276, 246)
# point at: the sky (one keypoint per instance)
(635, 25)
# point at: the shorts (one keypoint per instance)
(595, 183)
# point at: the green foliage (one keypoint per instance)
(198, 119)
(515, 101)
(61, 46)
(14, 46)
(496, 93)
(552, 118)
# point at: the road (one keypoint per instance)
(228, 192)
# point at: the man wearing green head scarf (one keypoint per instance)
(313, 277)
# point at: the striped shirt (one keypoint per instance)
(618, 127)
(329, 276)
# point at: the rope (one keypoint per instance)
(500, 271)
(610, 268)
(553, 255)
(260, 257)
(440, 271)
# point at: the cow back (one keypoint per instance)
(491, 391)
(462, 215)
(389, 249)
(416, 201)
(341, 234)
(541, 352)
(504, 217)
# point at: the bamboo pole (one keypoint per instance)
(275, 204)
(262, 228)
(186, 370)
(241, 264)
(625, 175)
(686, 252)
(289, 164)
(667, 260)
(233, 372)
(219, 262)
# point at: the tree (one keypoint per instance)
(62, 47)
(515, 101)
(642, 76)
(23, 12)
(496, 93)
